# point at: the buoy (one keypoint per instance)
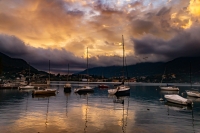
(161, 99)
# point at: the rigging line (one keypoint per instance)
(190, 75)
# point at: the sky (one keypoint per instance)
(61, 30)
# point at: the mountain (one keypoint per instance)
(14, 65)
(140, 69)
(179, 67)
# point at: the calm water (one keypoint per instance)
(142, 112)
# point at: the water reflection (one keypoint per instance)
(99, 112)
(169, 92)
(43, 96)
(67, 97)
(175, 106)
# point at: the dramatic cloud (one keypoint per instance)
(61, 30)
(39, 57)
(186, 43)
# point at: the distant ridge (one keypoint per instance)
(178, 66)
(14, 65)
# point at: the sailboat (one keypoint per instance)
(29, 86)
(85, 88)
(67, 87)
(193, 92)
(44, 91)
(120, 89)
(168, 87)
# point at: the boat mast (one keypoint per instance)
(49, 70)
(123, 55)
(29, 73)
(87, 66)
(190, 76)
(68, 72)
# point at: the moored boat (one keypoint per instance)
(169, 88)
(193, 93)
(120, 90)
(178, 99)
(26, 87)
(84, 89)
(103, 86)
(67, 87)
(87, 88)
(44, 92)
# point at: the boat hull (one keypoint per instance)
(44, 92)
(177, 99)
(169, 88)
(84, 90)
(67, 89)
(119, 92)
(25, 87)
(193, 94)
(123, 93)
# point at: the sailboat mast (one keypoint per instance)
(87, 66)
(49, 70)
(29, 73)
(68, 72)
(123, 54)
(190, 76)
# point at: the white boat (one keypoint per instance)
(178, 99)
(193, 93)
(86, 88)
(120, 89)
(26, 87)
(169, 88)
(67, 87)
(44, 92)
(29, 86)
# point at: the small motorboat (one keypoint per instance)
(67, 88)
(44, 92)
(178, 99)
(193, 93)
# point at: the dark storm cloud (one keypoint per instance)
(59, 58)
(186, 43)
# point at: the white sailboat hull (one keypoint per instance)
(26, 87)
(193, 93)
(84, 89)
(169, 88)
(177, 99)
(119, 90)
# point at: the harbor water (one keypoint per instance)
(97, 112)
